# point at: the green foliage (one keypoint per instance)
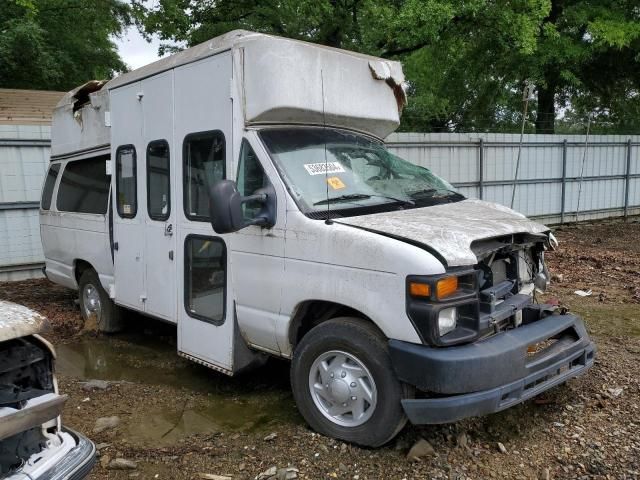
(59, 44)
(466, 62)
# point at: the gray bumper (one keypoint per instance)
(493, 374)
(77, 464)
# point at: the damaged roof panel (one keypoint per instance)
(284, 82)
(79, 119)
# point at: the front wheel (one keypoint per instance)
(344, 384)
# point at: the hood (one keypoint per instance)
(449, 229)
(19, 321)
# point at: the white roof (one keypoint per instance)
(229, 40)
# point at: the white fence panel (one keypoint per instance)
(554, 170)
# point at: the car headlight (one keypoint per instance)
(447, 320)
(444, 308)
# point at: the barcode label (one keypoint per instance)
(323, 168)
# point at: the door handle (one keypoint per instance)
(168, 230)
(170, 254)
(115, 245)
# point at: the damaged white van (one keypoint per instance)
(242, 190)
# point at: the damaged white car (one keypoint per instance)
(33, 443)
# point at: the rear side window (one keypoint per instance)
(126, 187)
(84, 186)
(49, 183)
(158, 194)
(203, 155)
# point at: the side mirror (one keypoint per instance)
(225, 207)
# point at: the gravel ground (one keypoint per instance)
(179, 420)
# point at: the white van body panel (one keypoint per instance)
(258, 265)
(359, 264)
(69, 236)
(195, 111)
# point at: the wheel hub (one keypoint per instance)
(342, 388)
(339, 391)
(91, 301)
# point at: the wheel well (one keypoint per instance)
(312, 313)
(81, 266)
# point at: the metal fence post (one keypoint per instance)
(626, 181)
(564, 180)
(481, 169)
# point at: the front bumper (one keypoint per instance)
(492, 374)
(72, 463)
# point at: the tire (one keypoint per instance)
(95, 304)
(320, 353)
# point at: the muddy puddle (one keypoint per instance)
(213, 402)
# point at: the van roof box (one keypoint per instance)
(278, 80)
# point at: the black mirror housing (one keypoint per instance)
(225, 207)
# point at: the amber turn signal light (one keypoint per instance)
(419, 289)
(446, 287)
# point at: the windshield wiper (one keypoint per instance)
(362, 196)
(434, 192)
(343, 198)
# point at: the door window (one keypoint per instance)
(251, 177)
(204, 158)
(49, 183)
(158, 183)
(126, 188)
(84, 186)
(205, 278)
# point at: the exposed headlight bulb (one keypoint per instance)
(447, 320)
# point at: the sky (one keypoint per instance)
(135, 50)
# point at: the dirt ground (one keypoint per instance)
(178, 420)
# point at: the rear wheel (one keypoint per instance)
(96, 306)
(344, 384)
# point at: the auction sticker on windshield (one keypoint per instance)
(323, 168)
(335, 183)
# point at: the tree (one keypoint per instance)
(575, 52)
(59, 44)
(466, 62)
(329, 22)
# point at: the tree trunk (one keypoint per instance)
(546, 114)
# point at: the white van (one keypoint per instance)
(242, 190)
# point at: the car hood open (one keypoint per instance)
(450, 228)
(18, 321)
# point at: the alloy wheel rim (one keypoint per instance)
(342, 388)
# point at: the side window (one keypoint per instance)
(158, 193)
(205, 278)
(126, 188)
(84, 186)
(49, 183)
(251, 177)
(204, 158)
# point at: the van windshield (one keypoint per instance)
(350, 174)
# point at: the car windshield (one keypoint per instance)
(350, 174)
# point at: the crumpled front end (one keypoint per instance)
(486, 344)
(33, 444)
